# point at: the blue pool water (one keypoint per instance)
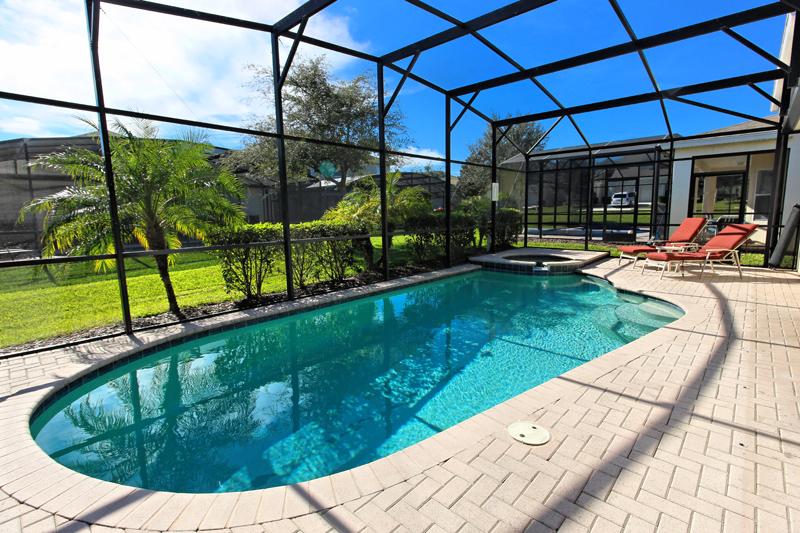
(318, 392)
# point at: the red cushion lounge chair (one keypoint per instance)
(723, 247)
(682, 237)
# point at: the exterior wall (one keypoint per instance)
(792, 195)
(679, 199)
(682, 169)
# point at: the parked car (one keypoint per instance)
(623, 199)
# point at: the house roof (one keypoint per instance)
(746, 125)
(629, 145)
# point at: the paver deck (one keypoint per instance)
(694, 427)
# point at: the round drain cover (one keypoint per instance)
(529, 433)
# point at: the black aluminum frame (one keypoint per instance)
(292, 26)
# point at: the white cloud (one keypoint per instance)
(418, 164)
(151, 63)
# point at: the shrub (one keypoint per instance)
(320, 258)
(478, 210)
(425, 235)
(509, 224)
(462, 231)
(245, 268)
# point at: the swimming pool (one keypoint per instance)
(321, 391)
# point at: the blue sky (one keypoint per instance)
(198, 70)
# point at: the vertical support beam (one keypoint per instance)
(781, 144)
(668, 189)
(280, 144)
(637, 191)
(93, 24)
(778, 172)
(589, 202)
(493, 234)
(382, 170)
(31, 193)
(447, 186)
(654, 191)
(541, 198)
(525, 199)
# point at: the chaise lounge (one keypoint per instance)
(723, 247)
(681, 239)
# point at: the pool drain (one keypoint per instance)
(529, 433)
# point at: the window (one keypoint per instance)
(762, 201)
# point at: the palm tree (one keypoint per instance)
(363, 204)
(166, 190)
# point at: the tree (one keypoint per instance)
(317, 106)
(166, 190)
(363, 204)
(474, 181)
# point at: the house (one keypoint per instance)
(21, 181)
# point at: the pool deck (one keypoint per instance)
(694, 427)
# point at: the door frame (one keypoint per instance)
(742, 195)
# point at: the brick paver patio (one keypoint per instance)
(694, 427)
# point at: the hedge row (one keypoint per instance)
(326, 251)
(469, 228)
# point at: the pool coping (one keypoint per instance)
(33, 478)
(503, 261)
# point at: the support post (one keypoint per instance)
(280, 144)
(382, 170)
(448, 242)
(654, 191)
(589, 203)
(525, 199)
(540, 207)
(781, 143)
(778, 172)
(668, 189)
(492, 200)
(93, 24)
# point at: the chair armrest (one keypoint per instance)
(677, 246)
(730, 251)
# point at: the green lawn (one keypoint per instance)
(571, 245)
(559, 215)
(35, 306)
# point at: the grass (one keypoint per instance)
(550, 216)
(571, 245)
(35, 305)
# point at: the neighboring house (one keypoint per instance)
(726, 179)
(310, 198)
(21, 181)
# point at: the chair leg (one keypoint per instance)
(738, 263)
(703, 269)
(663, 268)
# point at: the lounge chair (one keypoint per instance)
(681, 239)
(723, 247)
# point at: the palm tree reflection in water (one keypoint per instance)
(319, 392)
